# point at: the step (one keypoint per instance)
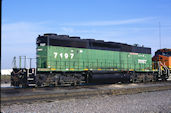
(30, 78)
(31, 84)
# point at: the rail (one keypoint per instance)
(78, 65)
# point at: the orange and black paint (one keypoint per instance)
(163, 55)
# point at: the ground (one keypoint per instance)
(147, 102)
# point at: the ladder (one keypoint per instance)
(31, 77)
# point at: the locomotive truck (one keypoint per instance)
(66, 60)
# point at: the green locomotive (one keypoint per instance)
(62, 60)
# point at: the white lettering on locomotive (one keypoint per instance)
(142, 61)
(66, 55)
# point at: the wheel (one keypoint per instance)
(73, 84)
(39, 84)
(133, 78)
(164, 78)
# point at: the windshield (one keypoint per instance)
(167, 53)
(163, 53)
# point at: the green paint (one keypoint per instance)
(57, 58)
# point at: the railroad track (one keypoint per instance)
(30, 95)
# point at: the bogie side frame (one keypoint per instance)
(22, 77)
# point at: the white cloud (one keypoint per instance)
(19, 39)
(108, 23)
(17, 33)
(67, 29)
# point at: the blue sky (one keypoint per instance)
(126, 21)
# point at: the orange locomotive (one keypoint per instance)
(163, 56)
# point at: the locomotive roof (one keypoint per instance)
(75, 41)
(67, 37)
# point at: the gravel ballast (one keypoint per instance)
(147, 102)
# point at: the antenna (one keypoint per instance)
(160, 35)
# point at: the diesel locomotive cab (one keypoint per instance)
(162, 62)
(164, 56)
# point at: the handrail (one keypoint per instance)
(166, 69)
(98, 65)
